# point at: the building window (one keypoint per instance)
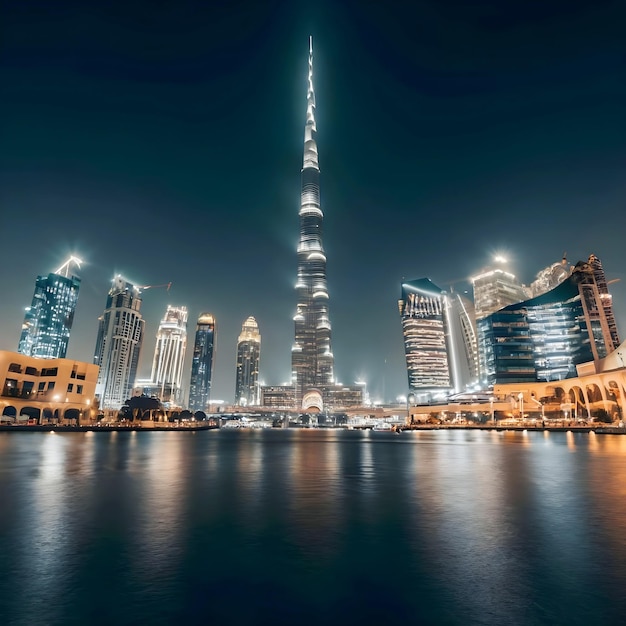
(51, 385)
(49, 371)
(41, 387)
(79, 389)
(32, 371)
(27, 388)
(16, 368)
(70, 388)
(10, 388)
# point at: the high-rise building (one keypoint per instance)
(313, 386)
(495, 288)
(118, 346)
(311, 358)
(606, 299)
(202, 363)
(547, 337)
(462, 313)
(248, 355)
(48, 320)
(169, 355)
(423, 309)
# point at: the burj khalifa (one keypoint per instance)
(312, 359)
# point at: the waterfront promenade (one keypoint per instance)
(600, 429)
(118, 427)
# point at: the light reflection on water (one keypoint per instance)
(255, 527)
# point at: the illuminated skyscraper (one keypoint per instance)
(48, 320)
(169, 354)
(494, 289)
(462, 312)
(547, 337)
(424, 313)
(202, 363)
(312, 358)
(120, 335)
(248, 355)
(606, 299)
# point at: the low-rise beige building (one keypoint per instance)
(46, 390)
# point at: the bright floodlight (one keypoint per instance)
(65, 268)
(500, 259)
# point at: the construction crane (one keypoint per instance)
(144, 287)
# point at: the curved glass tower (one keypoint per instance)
(312, 358)
(202, 363)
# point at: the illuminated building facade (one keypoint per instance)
(312, 358)
(46, 390)
(248, 356)
(278, 396)
(462, 312)
(202, 363)
(169, 354)
(549, 278)
(606, 299)
(494, 288)
(547, 337)
(425, 326)
(118, 345)
(48, 320)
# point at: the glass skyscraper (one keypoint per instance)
(118, 346)
(202, 363)
(169, 355)
(248, 356)
(312, 358)
(546, 337)
(494, 288)
(48, 320)
(466, 346)
(423, 310)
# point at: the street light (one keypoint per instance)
(410, 398)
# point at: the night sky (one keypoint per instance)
(163, 140)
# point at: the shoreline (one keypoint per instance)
(108, 428)
(598, 430)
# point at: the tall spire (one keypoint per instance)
(312, 359)
(310, 130)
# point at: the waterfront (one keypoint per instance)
(312, 526)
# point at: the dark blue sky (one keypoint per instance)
(164, 141)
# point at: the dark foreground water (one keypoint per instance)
(312, 527)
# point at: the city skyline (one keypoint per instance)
(482, 143)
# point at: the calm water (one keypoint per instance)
(312, 527)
